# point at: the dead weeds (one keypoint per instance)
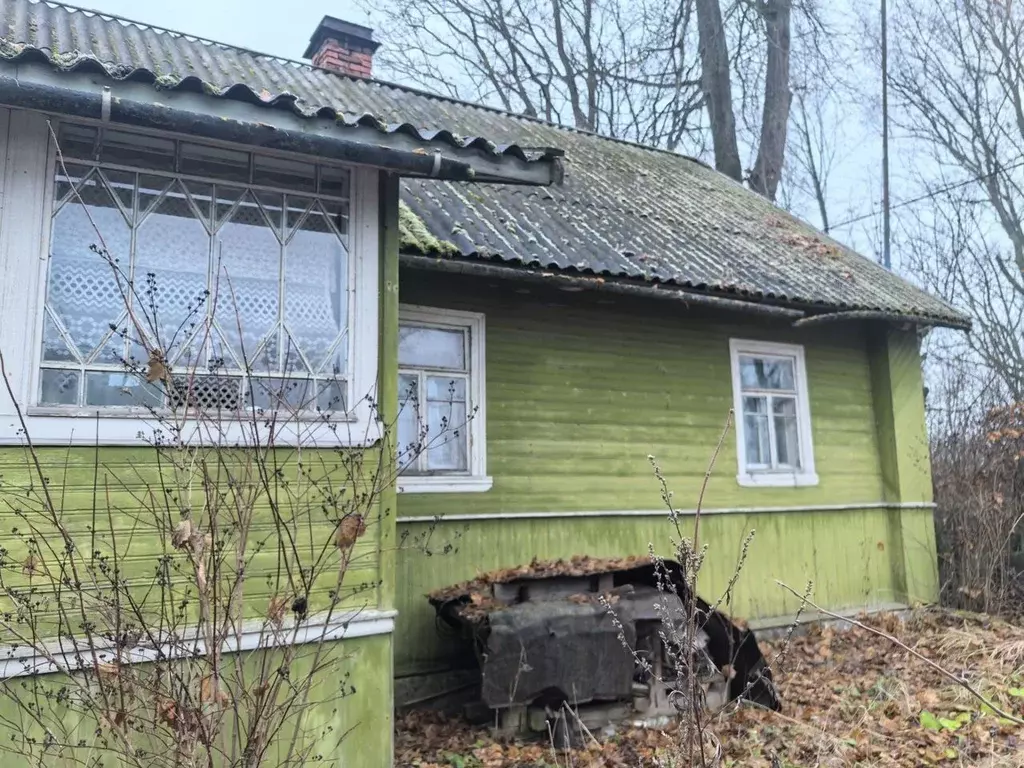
(850, 698)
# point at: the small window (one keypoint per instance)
(440, 428)
(772, 414)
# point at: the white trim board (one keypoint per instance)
(664, 512)
(22, 660)
(476, 479)
(805, 474)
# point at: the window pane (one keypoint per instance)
(755, 427)
(286, 173)
(214, 162)
(334, 181)
(249, 253)
(447, 436)
(122, 185)
(65, 182)
(172, 256)
(445, 389)
(77, 141)
(408, 421)
(755, 404)
(58, 387)
(270, 394)
(138, 150)
(331, 395)
(54, 346)
(431, 348)
(82, 289)
(787, 441)
(767, 373)
(121, 389)
(316, 283)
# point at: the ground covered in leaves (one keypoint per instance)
(850, 698)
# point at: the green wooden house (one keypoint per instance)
(577, 303)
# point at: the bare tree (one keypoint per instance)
(958, 78)
(813, 154)
(774, 18)
(626, 70)
(951, 247)
(660, 74)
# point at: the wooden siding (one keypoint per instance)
(348, 723)
(131, 497)
(580, 392)
(906, 466)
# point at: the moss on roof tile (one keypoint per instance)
(413, 235)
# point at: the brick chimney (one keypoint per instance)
(342, 46)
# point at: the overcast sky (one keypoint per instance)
(267, 26)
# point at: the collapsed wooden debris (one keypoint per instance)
(604, 639)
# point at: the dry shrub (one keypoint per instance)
(979, 489)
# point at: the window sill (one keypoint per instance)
(127, 429)
(777, 480)
(445, 484)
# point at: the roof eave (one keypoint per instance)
(798, 316)
(132, 104)
(953, 322)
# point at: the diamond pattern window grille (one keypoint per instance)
(243, 288)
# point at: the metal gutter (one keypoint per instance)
(583, 282)
(109, 108)
(889, 317)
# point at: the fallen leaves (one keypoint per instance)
(849, 697)
(276, 610)
(156, 369)
(210, 692)
(578, 565)
(350, 529)
(31, 565)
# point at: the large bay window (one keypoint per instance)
(251, 279)
(773, 420)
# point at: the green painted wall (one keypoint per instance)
(349, 723)
(906, 467)
(580, 391)
(130, 499)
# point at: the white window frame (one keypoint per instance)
(27, 165)
(476, 480)
(805, 475)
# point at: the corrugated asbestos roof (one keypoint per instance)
(624, 210)
(75, 39)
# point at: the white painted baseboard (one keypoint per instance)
(22, 660)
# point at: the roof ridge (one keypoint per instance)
(71, 8)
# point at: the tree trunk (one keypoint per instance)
(717, 85)
(771, 150)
